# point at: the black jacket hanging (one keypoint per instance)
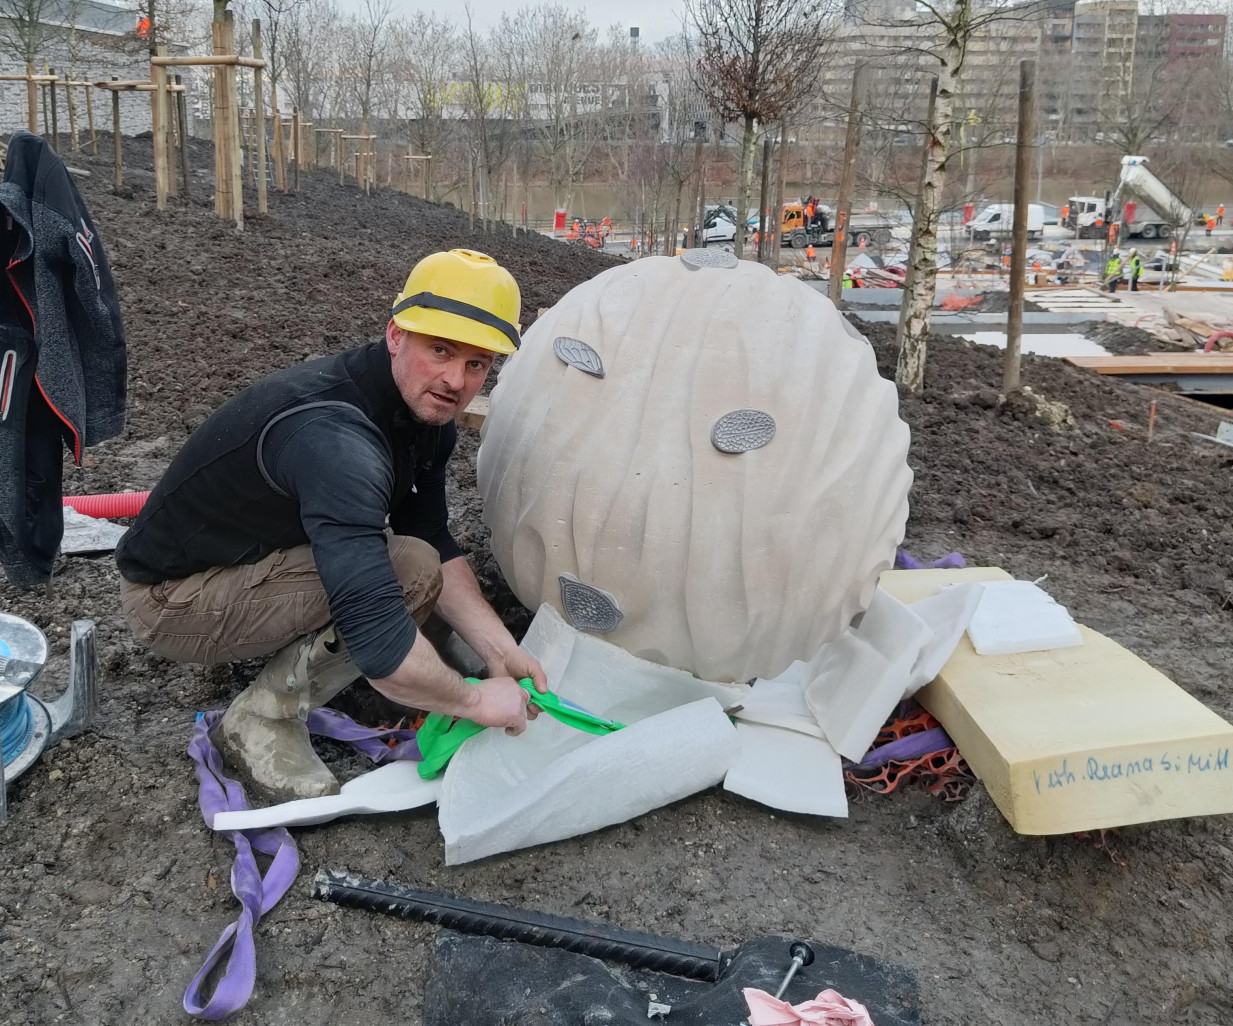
(63, 360)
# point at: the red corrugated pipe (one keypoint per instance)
(114, 504)
(1207, 348)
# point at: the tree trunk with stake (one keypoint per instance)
(917, 312)
(843, 205)
(764, 220)
(745, 187)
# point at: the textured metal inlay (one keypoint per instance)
(587, 608)
(578, 354)
(742, 430)
(696, 258)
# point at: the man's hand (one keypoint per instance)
(519, 663)
(501, 702)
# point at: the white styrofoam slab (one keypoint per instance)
(1019, 616)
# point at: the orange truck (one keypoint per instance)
(866, 230)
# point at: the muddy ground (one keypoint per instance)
(112, 891)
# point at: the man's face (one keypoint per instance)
(436, 377)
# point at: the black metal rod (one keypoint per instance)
(639, 950)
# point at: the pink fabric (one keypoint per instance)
(830, 1008)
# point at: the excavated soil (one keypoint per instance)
(112, 891)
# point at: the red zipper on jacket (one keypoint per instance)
(67, 423)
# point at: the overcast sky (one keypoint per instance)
(654, 18)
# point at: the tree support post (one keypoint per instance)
(55, 122)
(295, 146)
(843, 205)
(90, 120)
(182, 128)
(1019, 231)
(32, 102)
(115, 136)
(158, 115)
(263, 198)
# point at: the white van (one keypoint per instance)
(997, 219)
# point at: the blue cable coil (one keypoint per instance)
(16, 726)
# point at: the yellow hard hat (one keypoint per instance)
(463, 296)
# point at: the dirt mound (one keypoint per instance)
(1124, 339)
(112, 891)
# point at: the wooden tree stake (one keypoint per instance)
(115, 133)
(32, 102)
(263, 199)
(158, 115)
(90, 120)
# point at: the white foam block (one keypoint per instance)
(394, 787)
(787, 770)
(1018, 616)
(502, 793)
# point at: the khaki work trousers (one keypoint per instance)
(242, 612)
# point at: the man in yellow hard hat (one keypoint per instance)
(267, 535)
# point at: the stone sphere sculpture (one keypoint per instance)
(695, 459)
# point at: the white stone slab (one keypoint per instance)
(1042, 344)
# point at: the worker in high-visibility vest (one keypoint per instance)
(1211, 224)
(1135, 263)
(1113, 270)
(1220, 214)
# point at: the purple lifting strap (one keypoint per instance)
(259, 893)
(904, 560)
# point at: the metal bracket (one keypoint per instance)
(68, 715)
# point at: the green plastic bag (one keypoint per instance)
(441, 735)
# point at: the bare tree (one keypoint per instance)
(309, 38)
(948, 33)
(754, 60)
(364, 53)
(430, 44)
(24, 27)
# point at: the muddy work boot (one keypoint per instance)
(263, 736)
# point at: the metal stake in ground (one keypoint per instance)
(802, 955)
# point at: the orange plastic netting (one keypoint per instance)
(943, 773)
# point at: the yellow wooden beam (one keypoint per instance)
(1076, 738)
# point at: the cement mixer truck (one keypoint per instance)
(1141, 202)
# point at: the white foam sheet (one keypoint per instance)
(853, 684)
(501, 793)
(1019, 616)
(788, 770)
(394, 787)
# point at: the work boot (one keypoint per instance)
(263, 736)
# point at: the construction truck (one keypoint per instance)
(1144, 206)
(798, 231)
